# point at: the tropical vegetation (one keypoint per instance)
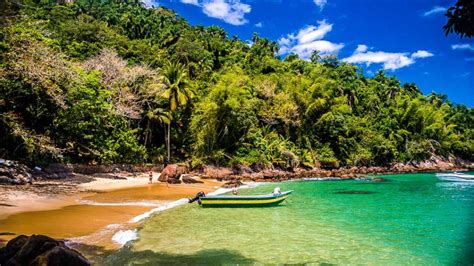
(114, 82)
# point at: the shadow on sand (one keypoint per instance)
(205, 257)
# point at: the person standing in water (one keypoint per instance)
(150, 177)
(234, 190)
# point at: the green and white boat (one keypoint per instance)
(244, 200)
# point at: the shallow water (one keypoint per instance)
(409, 219)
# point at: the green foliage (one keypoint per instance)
(107, 81)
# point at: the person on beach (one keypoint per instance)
(150, 177)
(234, 190)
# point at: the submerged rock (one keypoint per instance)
(39, 250)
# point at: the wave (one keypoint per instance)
(455, 177)
(122, 237)
(183, 201)
(147, 214)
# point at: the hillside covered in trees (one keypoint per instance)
(107, 82)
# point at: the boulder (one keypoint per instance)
(39, 250)
(189, 180)
(12, 247)
(172, 173)
(232, 183)
(14, 173)
(217, 172)
(61, 255)
(57, 171)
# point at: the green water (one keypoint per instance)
(411, 219)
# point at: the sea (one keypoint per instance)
(401, 219)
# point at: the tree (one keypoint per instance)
(177, 92)
(460, 19)
(315, 56)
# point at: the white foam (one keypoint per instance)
(124, 236)
(159, 209)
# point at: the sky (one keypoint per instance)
(403, 37)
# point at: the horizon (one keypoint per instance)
(415, 54)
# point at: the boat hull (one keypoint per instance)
(243, 201)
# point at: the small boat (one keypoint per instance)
(242, 200)
(455, 177)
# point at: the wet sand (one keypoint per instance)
(92, 218)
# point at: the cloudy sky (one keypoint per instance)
(403, 37)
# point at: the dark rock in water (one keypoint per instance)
(12, 247)
(60, 255)
(172, 173)
(39, 250)
(379, 179)
(355, 192)
(189, 180)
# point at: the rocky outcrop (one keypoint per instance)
(14, 173)
(56, 171)
(233, 183)
(187, 179)
(39, 250)
(172, 174)
(242, 173)
(217, 172)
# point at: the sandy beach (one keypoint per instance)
(87, 213)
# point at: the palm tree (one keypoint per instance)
(177, 92)
(156, 115)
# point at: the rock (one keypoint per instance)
(189, 180)
(172, 173)
(232, 183)
(14, 173)
(57, 171)
(39, 250)
(12, 247)
(379, 179)
(217, 172)
(61, 255)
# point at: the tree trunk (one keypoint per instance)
(168, 142)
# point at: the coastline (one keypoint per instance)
(99, 211)
(87, 214)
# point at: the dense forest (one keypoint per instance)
(112, 82)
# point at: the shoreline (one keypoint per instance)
(87, 214)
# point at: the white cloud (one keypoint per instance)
(308, 39)
(230, 11)
(150, 3)
(362, 48)
(462, 46)
(320, 3)
(435, 10)
(421, 54)
(259, 25)
(390, 61)
(191, 2)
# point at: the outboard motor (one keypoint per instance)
(198, 195)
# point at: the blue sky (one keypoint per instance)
(403, 37)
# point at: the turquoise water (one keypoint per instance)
(411, 219)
